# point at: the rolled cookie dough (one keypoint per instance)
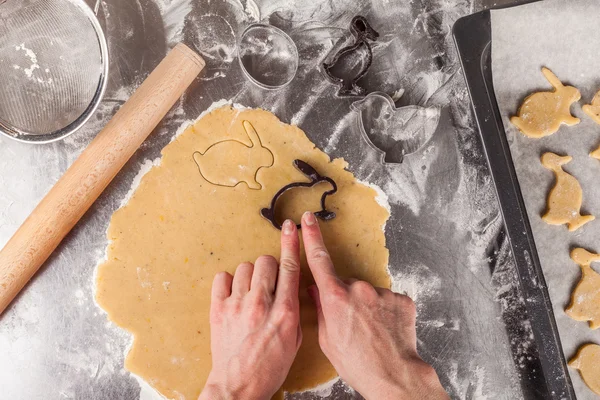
(585, 301)
(564, 199)
(542, 113)
(178, 230)
(587, 361)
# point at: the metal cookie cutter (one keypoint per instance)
(268, 56)
(315, 178)
(342, 68)
(394, 132)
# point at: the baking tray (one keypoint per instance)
(473, 38)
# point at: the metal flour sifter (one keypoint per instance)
(53, 68)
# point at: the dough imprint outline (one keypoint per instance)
(255, 157)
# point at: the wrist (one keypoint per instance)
(215, 389)
(420, 382)
(212, 391)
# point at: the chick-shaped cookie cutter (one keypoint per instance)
(390, 148)
(362, 32)
(315, 179)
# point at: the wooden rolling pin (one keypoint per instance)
(89, 175)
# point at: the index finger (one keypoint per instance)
(317, 256)
(288, 278)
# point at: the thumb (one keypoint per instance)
(313, 292)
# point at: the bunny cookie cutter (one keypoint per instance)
(315, 178)
(219, 164)
(542, 113)
(362, 32)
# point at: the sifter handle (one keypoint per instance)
(95, 168)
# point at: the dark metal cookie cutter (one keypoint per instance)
(315, 178)
(363, 32)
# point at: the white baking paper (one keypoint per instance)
(563, 35)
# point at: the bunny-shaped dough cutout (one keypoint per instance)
(564, 199)
(229, 162)
(585, 301)
(593, 109)
(587, 361)
(542, 113)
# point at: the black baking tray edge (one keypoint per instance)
(473, 38)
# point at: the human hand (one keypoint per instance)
(254, 324)
(367, 333)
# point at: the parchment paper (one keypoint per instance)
(563, 36)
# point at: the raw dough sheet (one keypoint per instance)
(189, 218)
(561, 35)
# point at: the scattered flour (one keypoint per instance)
(307, 106)
(416, 281)
(147, 392)
(382, 198)
(323, 390)
(403, 189)
(29, 71)
(79, 297)
(174, 13)
(146, 166)
(471, 387)
(338, 130)
(32, 57)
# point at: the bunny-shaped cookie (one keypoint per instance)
(229, 162)
(564, 200)
(586, 361)
(593, 109)
(542, 113)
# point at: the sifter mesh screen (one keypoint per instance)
(52, 67)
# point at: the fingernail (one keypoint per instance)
(288, 227)
(309, 218)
